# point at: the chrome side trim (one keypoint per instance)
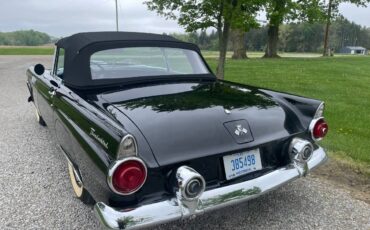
(53, 71)
(113, 168)
(77, 172)
(173, 209)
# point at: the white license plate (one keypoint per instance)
(242, 163)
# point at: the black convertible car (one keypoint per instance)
(151, 136)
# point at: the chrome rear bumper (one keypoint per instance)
(176, 208)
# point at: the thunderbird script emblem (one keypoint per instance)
(98, 138)
(240, 130)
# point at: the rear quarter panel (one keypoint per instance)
(75, 122)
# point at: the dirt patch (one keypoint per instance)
(347, 177)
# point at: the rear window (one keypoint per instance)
(145, 61)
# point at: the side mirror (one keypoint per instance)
(39, 69)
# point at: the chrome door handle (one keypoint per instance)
(52, 92)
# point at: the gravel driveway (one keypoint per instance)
(35, 192)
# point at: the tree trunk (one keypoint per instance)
(223, 40)
(326, 38)
(272, 41)
(239, 46)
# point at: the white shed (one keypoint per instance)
(354, 50)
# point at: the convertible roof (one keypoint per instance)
(76, 42)
(78, 49)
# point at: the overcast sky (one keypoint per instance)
(65, 17)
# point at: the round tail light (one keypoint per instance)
(127, 176)
(319, 128)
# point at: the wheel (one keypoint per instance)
(78, 187)
(39, 118)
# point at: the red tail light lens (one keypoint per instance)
(320, 129)
(128, 176)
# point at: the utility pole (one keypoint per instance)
(327, 29)
(117, 15)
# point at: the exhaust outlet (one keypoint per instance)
(191, 183)
(300, 152)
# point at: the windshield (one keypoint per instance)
(145, 61)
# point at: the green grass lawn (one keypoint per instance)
(214, 54)
(30, 50)
(342, 82)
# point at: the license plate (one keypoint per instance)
(242, 163)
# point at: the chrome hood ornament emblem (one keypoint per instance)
(240, 130)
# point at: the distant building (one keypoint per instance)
(354, 50)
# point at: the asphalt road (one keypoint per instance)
(35, 192)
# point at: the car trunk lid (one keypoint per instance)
(184, 121)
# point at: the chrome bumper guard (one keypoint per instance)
(176, 208)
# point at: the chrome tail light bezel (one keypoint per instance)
(312, 126)
(115, 165)
(319, 115)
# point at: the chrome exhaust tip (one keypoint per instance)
(194, 188)
(300, 150)
(191, 183)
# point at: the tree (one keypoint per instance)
(301, 37)
(24, 37)
(278, 11)
(256, 39)
(345, 33)
(239, 45)
(331, 12)
(196, 15)
(293, 37)
(309, 37)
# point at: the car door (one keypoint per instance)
(59, 91)
(46, 86)
(71, 125)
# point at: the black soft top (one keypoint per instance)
(76, 42)
(79, 47)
